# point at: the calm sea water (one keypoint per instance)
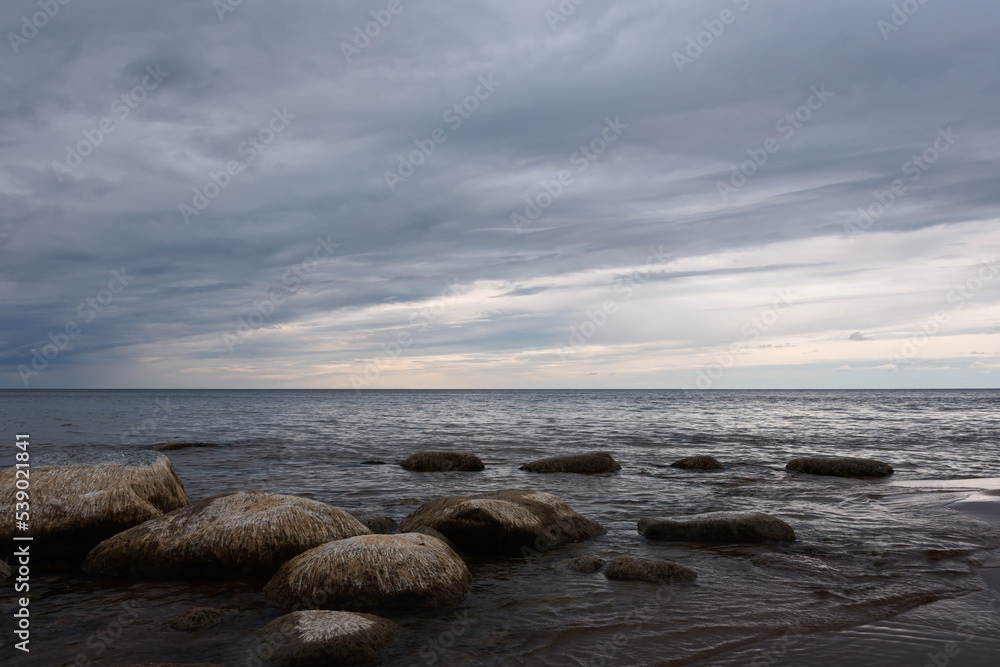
(867, 550)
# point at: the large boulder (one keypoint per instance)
(507, 522)
(719, 528)
(840, 466)
(378, 523)
(81, 497)
(627, 568)
(697, 463)
(313, 637)
(590, 463)
(442, 461)
(372, 572)
(231, 535)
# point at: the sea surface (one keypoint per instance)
(867, 552)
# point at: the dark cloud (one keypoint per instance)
(553, 93)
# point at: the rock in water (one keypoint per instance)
(443, 461)
(585, 564)
(197, 618)
(313, 637)
(719, 528)
(378, 523)
(627, 568)
(372, 572)
(841, 466)
(518, 521)
(590, 463)
(81, 497)
(182, 444)
(227, 536)
(697, 463)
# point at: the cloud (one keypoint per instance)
(844, 369)
(351, 121)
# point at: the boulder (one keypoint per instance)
(182, 444)
(81, 497)
(697, 463)
(227, 536)
(443, 461)
(840, 466)
(378, 523)
(372, 572)
(507, 522)
(585, 564)
(198, 618)
(590, 463)
(627, 568)
(719, 528)
(314, 637)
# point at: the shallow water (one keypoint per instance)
(866, 552)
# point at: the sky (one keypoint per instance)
(709, 194)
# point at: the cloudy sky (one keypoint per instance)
(376, 194)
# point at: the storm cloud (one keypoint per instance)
(499, 194)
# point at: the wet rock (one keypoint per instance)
(697, 463)
(81, 497)
(198, 618)
(313, 637)
(507, 522)
(373, 463)
(227, 536)
(585, 564)
(590, 463)
(427, 530)
(182, 444)
(372, 572)
(627, 568)
(443, 461)
(378, 523)
(719, 528)
(842, 466)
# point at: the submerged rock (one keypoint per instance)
(840, 466)
(182, 444)
(627, 568)
(589, 463)
(585, 564)
(719, 528)
(372, 572)
(81, 497)
(697, 463)
(198, 618)
(443, 461)
(510, 522)
(227, 536)
(313, 637)
(378, 523)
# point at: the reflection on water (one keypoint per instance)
(867, 550)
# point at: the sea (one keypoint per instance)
(884, 571)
